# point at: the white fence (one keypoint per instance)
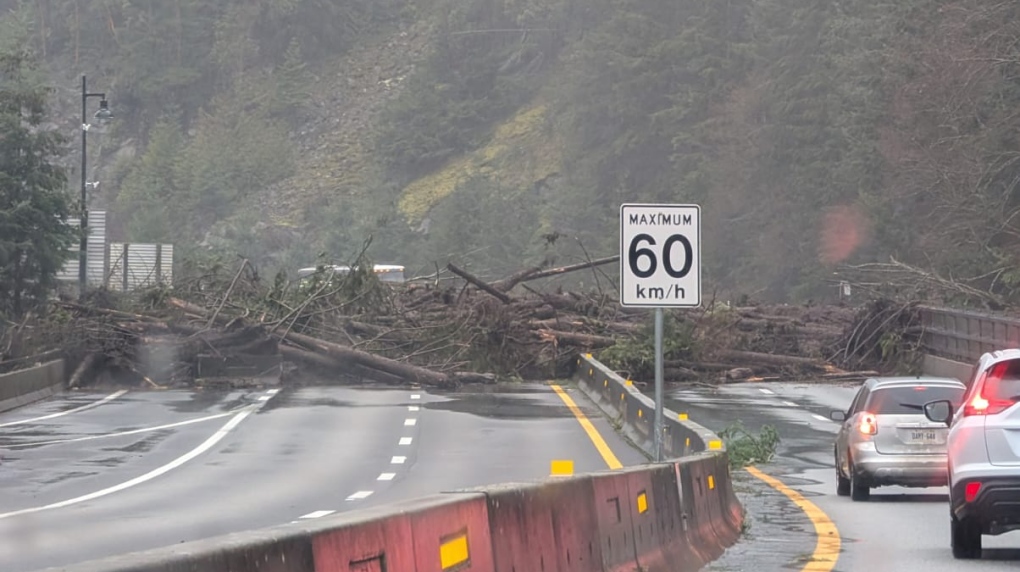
(121, 266)
(134, 265)
(95, 265)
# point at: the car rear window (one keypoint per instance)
(910, 399)
(1003, 381)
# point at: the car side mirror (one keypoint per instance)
(939, 411)
(837, 415)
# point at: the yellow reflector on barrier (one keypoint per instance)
(454, 551)
(711, 482)
(642, 503)
(622, 397)
(682, 416)
(639, 412)
(605, 383)
(590, 371)
(629, 382)
(715, 445)
(587, 356)
(688, 443)
(561, 468)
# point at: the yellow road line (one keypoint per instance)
(823, 559)
(593, 434)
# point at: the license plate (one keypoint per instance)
(923, 436)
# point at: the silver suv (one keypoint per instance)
(886, 439)
(983, 452)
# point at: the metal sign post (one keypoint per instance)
(660, 267)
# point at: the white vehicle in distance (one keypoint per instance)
(984, 453)
(385, 272)
(886, 439)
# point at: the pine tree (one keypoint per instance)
(34, 203)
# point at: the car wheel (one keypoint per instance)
(966, 538)
(842, 483)
(858, 491)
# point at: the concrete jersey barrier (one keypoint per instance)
(673, 516)
(32, 384)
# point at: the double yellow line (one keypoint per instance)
(827, 548)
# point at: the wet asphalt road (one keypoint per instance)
(899, 529)
(87, 475)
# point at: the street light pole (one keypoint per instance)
(103, 113)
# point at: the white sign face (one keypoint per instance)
(660, 255)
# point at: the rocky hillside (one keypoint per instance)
(820, 138)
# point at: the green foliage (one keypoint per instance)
(475, 76)
(745, 448)
(636, 356)
(34, 203)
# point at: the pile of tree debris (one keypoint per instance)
(442, 330)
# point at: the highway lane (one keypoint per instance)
(301, 453)
(898, 529)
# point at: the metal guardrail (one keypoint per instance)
(965, 335)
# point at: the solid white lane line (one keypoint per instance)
(387, 477)
(398, 460)
(359, 495)
(410, 422)
(413, 408)
(318, 514)
(123, 433)
(415, 396)
(205, 446)
(110, 397)
(766, 391)
(405, 440)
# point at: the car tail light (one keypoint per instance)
(970, 492)
(869, 425)
(981, 406)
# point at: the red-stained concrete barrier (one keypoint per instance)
(435, 534)
(549, 526)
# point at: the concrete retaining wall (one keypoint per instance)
(942, 367)
(32, 384)
(666, 517)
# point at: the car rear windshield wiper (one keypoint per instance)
(912, 406)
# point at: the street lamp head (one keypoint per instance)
(104, 113)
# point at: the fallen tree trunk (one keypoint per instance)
(477, 282)
(585, 340)
(84, 368)
(386, 365)
(772, 359)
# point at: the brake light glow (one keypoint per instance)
(981, 406)
(869, 425)
(971, 491)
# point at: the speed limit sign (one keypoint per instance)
(660, 255)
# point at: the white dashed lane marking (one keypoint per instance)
(387, 477)
(413, 408)
(318, 514)
(766, 391)
(415, 396)
(819, 417)
(410, 422)
(405, 441)
(398, 460)
(789, 404)
(360, 495)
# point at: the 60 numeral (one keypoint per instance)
(637, 251)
